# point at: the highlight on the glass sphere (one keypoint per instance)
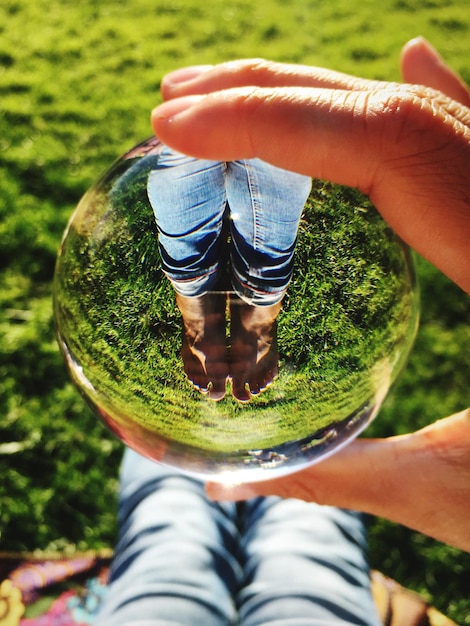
(232, 320)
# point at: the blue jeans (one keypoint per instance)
(182, 560)
(190, 198)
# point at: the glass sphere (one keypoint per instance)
(344, 331)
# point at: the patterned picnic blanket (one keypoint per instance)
(52, 591)
(68, 591)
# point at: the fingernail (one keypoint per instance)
(171, 108)
(185, 74)
(429, 47)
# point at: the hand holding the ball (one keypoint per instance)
(408, 147)
(405, 145)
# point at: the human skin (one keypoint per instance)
(407, 146)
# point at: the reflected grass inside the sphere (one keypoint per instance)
(346, 326)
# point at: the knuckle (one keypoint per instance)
(413, 121)
(406, 111)
(255, 71)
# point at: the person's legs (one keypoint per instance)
(174, 562)
(266, 204)
(189, 201)
(304, 565)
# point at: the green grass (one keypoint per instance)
(77, 82)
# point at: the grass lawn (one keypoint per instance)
(77, 83)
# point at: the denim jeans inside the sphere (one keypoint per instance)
(190, 197)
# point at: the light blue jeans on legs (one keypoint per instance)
(182, 560)
(190, 197)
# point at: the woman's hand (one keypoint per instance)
(421, 480)
(408, 147)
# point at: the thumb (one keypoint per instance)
(421, 480)
(422, 64)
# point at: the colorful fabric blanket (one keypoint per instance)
(54, 591)
(68, 591)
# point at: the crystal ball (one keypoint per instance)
(343, 333)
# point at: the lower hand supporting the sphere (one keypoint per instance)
(421, 480)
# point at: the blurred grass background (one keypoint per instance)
(77, 83)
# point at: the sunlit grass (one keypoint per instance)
(77, 83)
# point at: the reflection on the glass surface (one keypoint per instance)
(197, 335)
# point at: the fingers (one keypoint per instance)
(294, 128)
(421, 64)
(330, 482)
(198, 80)
(402, 146)
(182, 76)
(393, 145)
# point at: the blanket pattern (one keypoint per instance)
(52, 591)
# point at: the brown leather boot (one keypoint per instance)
(253, 347)
(204, 346)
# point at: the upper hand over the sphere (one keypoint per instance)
(407, 146)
